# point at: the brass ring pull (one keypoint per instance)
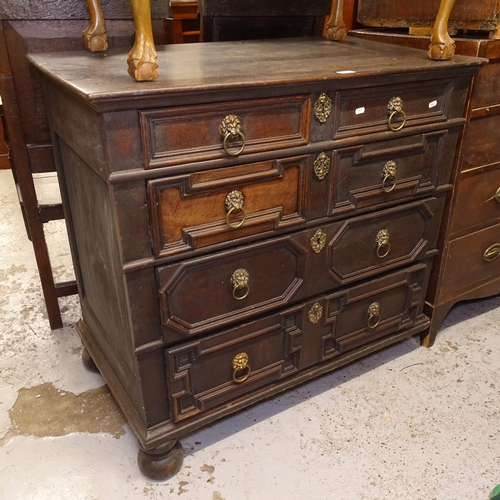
(240, 363)
(373, 315)
(492, 252)
(234, 203)
(232, 136)
(497, 195)
(389, 173)
(395, 108)
(383, 245)
(239, 280)
(230, 128)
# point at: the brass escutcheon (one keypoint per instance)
(373, 315)
(321, 166)
(395, 108)
(389, 173)
(383, 245)
(234, 203)
(239, 363)
(230, 128)
(492, 252)
(322, 108)
(318, 241)
(497, 195)
(315, 313)
(239, 280)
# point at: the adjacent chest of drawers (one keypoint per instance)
(468, 266)
(263, 213)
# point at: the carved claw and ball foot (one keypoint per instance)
(94, 37)
(143, 62)
(162, 462)
(441, 51)
(336, 33)
(88, 362)
(95, 42)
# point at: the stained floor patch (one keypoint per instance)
(44, 410)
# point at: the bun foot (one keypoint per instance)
(441, 51)
(162, 462)
(88, 362)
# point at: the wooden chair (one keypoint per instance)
(38, 26)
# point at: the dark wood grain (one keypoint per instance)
(242, 65)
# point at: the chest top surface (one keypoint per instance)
(218, 66)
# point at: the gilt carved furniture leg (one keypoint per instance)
(336, 28)
(142, 59)
(94, 37)
(162, 462)
(442, 46)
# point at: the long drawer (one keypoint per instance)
(202, 294)
(217, 368)
(196, 210)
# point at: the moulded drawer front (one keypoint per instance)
(208, 372)
(389, 238)
(367, 312)
(478, 199)
(188, 134)
(215, 206)
(376, 173)
(471, 260)
(374, 109)
(209, 292)
(219, 368)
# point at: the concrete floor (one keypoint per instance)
(406, 423)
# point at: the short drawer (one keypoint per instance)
(205, 293)
(381, 172)
(470, 261)
(477, 202)
(217, 369)
(178, 135)
(197, 210)
(391, 107)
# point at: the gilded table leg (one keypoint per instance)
(162, 462)
(442, 46)
(336, 28)
(94, 37)
(142, 59)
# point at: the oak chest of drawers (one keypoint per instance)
(250, 220)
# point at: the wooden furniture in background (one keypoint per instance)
(465, 15)
(468, 266)
(256, 19)
(38, 26)
(261, 217)
(184, 23)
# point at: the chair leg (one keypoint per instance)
(46, 277)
